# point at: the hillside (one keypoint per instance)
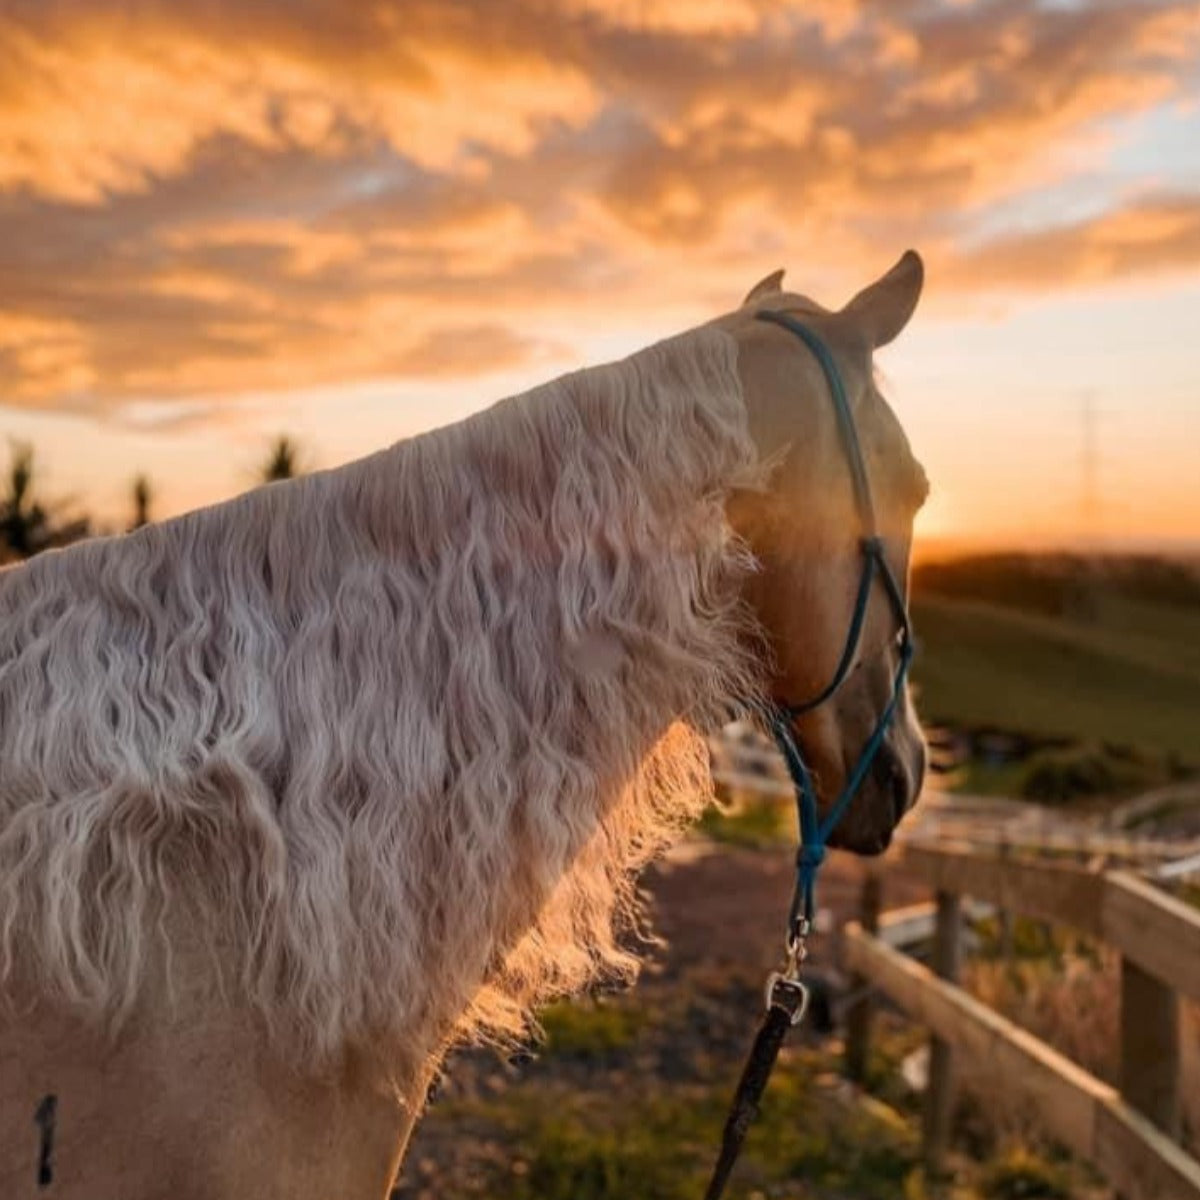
(1099, 650)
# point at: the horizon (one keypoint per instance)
(273, 223)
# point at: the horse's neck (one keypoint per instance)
(420, 728)
(602, 607)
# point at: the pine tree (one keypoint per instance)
(142, 495)
(283, 461)
(27, 527)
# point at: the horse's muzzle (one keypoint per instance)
(889, 791)
(897, 780)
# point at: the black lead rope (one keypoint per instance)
(787, 997)
(785, 1008)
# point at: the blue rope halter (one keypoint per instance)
(814, 832)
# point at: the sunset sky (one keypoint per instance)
(221, 221)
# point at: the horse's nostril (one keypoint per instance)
(892, 780)
(922, 766)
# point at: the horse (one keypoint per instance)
(303, 789)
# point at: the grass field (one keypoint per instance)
(1062, 648)
(626, 1102)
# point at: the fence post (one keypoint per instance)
(1004, 916)
(1150, 1047)
(939, 1099)
(861, 1010)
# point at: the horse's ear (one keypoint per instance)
(765, 287)
(883, 308)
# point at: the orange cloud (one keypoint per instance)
(1154, 235)
(201, 199)
(106, 103)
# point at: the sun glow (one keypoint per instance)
(358, 222)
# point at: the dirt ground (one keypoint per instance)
(725, 905)
(720, 911)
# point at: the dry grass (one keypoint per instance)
(1066, 990)
(1070, 999)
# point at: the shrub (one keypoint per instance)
(1061, 775)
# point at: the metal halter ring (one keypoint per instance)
(788, 995)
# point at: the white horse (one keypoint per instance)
(298, 790)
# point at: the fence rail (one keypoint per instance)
(1130, 1133)
(1084, 1113)
(1148, 926)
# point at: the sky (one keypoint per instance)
(350, 222)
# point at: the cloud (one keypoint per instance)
(1154, 235)
(200, 198)
(107, 102)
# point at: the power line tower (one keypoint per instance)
(1090, 515)
(1091, 530)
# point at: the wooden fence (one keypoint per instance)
(1130, 1133)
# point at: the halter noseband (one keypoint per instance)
(787, 997)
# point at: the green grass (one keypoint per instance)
(750, 820)
(590, 1029)
(657, 1141)
(645, 1125)
(1127, 673)
(627, 1101)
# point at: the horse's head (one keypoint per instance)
(807, 529)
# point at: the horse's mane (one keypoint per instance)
(388, 730)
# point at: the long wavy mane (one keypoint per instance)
(397, 733)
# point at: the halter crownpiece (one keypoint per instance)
(786, 995)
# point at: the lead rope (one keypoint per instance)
(787, 1002)
(786, 995)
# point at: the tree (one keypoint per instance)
(283, 462)
(27, 527)
(142, 495)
